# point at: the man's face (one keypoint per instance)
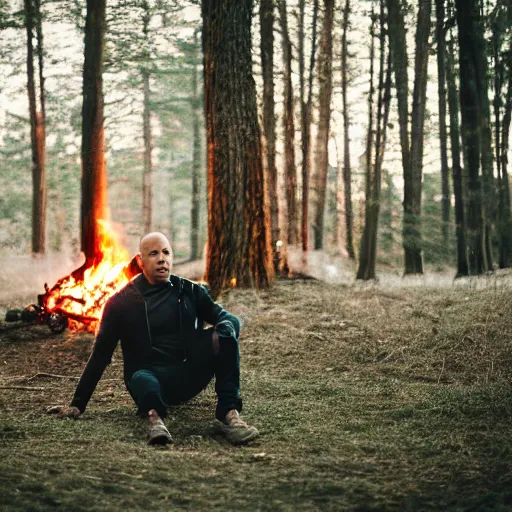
(155, 258)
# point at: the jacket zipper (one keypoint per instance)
(147, 323)
(180, 307)
(146, 314)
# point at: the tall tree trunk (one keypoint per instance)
(498, 90)
(94, 172)
(489, 201)
(503, 214)
(400, 63)
(339, 231)
(368, 254)
(412, 205)
(458, 189)
(441, 73)
(347, 170)
(147, 179)
(172, 201)
(467, 13)
(505, 257)
(324, 74)
(363, 268)
(382, 120)
(399, 60)
(306, 107)
(37, 127)
(239, 243)
(497, 104)
(40, 60)
(269, 119)
(196, 165)
(41, 129)
(289, 129)
(507, 117)
(147, 186)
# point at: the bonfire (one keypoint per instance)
(77, 300)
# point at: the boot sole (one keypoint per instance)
(235, 440)
(160, 440)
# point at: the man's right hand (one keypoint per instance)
(64, 411)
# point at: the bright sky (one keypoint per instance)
(64, 47)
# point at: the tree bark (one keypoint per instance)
(347, 170)
(306, 107)
(289, 129)
(502, 143)
(269, 120)
(441, 73)
(196, 165)
(412, 205)
(94, 174)
(412, 156)
(400, 64)
(363, 268)
(147, 184)
(383, 118)
(498, 90)
(458, 189)
(467, 14)
(40, 60)
(399, 60)
(324, 74)
(489, 202)
(239, 243)
(507, 117)
(339, 231)
(368, 253)
(37, 126)
(147, 189)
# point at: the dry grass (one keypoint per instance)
(368, 397)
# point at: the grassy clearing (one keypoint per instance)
(367, 399)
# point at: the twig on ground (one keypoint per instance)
(16, 378)
(26, 388)
(385, 358)
(51, 375)
(25, 378)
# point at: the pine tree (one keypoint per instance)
(94, 172)
(239, 250)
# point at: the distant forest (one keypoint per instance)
(377, 130)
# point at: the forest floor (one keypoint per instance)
(375, 396)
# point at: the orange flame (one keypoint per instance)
(83, 300)
(233, 282)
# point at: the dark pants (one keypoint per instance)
(157, 387)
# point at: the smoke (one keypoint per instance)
(22, 278)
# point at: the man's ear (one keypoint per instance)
(139, 260)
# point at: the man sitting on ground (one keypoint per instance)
(168, 356)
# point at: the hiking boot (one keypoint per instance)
(158, 433)
(236, 430)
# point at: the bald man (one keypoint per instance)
(168, 356)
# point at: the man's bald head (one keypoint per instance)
(155, 257)
(151, 237)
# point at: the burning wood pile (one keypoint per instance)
(77, 300)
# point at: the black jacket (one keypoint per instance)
(125, 318)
